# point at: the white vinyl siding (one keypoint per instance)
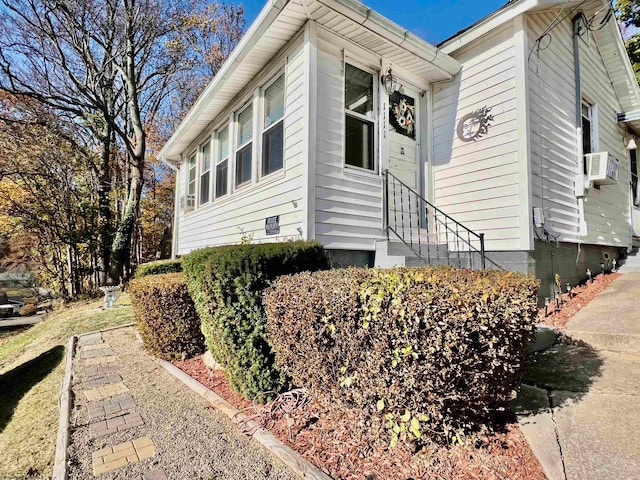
(607, 210)
(476, 182)
(244, 212)
(554, 162)
(348, 204)
(554, 141)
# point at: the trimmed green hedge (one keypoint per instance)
(226, 284)
(166, 317)
(413, 350)
(157, 268)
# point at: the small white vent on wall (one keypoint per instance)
(602, 168)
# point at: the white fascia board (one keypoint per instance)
(624, 57)
(394, 33)
(494, 20)
(264, 20)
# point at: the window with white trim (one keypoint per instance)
(191, 182)
(244, 141)
(635, 191)
(205, 173)
(222, 164)
(273, 127)
(360, 121)
(587, 131)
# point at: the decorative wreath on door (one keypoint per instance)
(402, 114)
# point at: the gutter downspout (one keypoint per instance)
(575, 21)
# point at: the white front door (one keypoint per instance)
(404, 161)
(404, 138)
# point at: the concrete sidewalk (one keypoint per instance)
(579, 408)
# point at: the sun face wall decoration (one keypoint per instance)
(475, 125)
(402, 114)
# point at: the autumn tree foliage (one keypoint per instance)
(47, 198)
(104, 74)
(628, 13)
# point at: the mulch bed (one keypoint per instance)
(333, 445)
(571, 303)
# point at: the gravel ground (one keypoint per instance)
(192, 441)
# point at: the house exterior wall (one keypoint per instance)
(477, 182)
(348, 204)
(605, 213)
(243, 212)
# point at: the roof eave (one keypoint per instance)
(393, 32)
(504, 14)
(266, 17)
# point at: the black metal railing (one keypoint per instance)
(427, 231)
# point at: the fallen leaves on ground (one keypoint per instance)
(333, 445)
(571, 303)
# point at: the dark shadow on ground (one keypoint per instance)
(569, 367)
(17, 382)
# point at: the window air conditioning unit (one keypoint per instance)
(188, 203)
(602, 168)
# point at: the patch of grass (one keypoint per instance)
(30, 416)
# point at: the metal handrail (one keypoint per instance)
(443, 223)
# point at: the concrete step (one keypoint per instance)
(426, 249)
(419, 262)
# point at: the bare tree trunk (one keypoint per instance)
(104, 208)
(121, 249)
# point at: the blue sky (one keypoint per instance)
(433, 20)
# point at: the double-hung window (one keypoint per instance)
(587, 131)
(360, 120)
(635, 192)
(222, 165)
(205, 173)
(191, 182)
(244, 145)
(273, 127)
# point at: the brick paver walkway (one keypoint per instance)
(111, 410)
(104, 379)
(115, 424)
(105, 391)
(111, 407)
(118, 456)
(99, 360)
